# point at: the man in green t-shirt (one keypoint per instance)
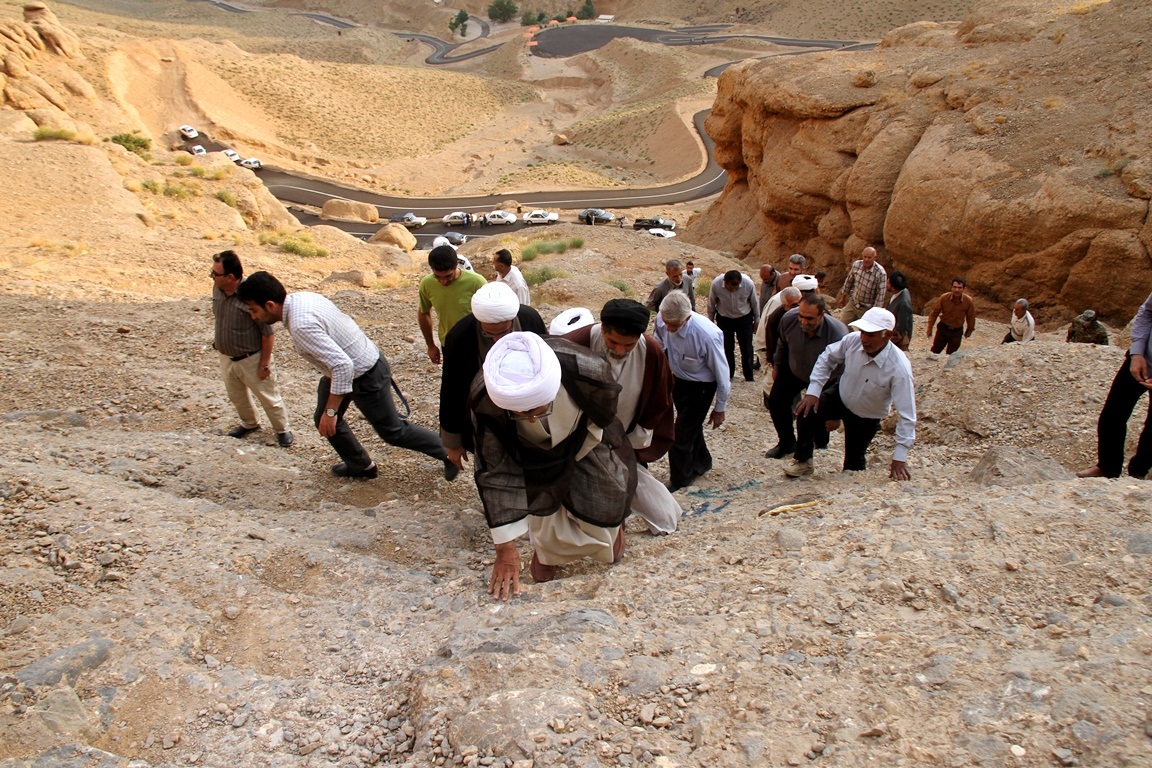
(449, 291)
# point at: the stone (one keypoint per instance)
(394, 234)
(499, 723)
(66, 665)
(61, 712)
(1017, 466)
(349, 210)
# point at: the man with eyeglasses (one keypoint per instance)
(552, 459)
(245, 347)
(352, 371)
(449, 291)
(496, 312)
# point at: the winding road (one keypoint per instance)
(552, 42)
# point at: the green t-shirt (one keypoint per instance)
(451, 302)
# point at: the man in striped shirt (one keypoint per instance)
(352, 371)
(863, 288)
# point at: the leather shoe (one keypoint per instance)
(368, 473)
(241, 431)
(450, 470)
(618, 545)
(541, 572)
(1093, 471)
(778, 452)
(285, 439)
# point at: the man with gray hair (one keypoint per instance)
(695, 349)
(676, 280)
(863, 288)
(796, 264)
(1021, 326)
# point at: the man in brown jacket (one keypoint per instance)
(957, 316)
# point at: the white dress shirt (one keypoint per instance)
(871, 386)
(515, 280)
(328, 339)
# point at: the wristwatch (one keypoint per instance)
(330, 413)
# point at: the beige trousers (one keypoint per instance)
(850, 313)
(559, 539)
(242, 380)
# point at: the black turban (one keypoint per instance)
(626, 315)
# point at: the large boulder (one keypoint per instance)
(349, 210)
(983, 148)
(394, 234)
(56, 38)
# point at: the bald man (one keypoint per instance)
(863, 288)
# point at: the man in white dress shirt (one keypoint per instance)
(352, 371)
(507, 272)
(877, 377)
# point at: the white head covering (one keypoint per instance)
(521, 372)
(570, 320)
(875, 319)
(441, 240)
(805, 283)
(495, 303)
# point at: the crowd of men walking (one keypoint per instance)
(561, 422)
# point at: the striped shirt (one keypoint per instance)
(865, 288)
(329, 339)
(237, 334)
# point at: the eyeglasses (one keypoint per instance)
(535, 413)
(217, 274)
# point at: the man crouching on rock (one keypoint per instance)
(552, 459)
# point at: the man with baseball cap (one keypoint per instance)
(876, 378)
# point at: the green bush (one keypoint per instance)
(300, 243)
(226, 197)
(178, 191)
(198, 171)
(133, 143)
(621, 286)
(536, 277)
(183, 160)
(151, 185)
(532, 18)
(502, 10)
(587, 11)
(54, 134)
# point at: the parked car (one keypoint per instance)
(541, 217)
(658, 232)
(457, 217)
(189, 132)
(231, 155)
(500, 217)
(252, 164)
(455, 239)
(596, 216)
(654, 223)
(198, 150)
(410, 220)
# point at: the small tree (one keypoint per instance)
(502, 10)
(459, 22)
(587, 11)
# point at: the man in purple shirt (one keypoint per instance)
(1132, 380)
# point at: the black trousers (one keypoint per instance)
(781, 405)
(738, 329)
(947, 336)
(1112, 428)
(689, 456)
(858, 431)
(372, 393)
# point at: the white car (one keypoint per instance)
(198, 150)
(541, 217)
(231, 155)
(456, 217)
(500, 217)
(252, 164)
(410, 220)
(661, 232)
(189, 132)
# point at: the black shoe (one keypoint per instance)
(285, 439)
(450, 470)
(368, 473)
(241, 431)
(779, 452)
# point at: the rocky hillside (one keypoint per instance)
(1011, 147)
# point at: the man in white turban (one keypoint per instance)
(552, 459)
(495, 312)
(570, 320)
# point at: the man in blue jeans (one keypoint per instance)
(352, 371)
(1133, 380)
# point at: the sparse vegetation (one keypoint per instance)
(151, 185)
(179, 191)
(198, 171)
(134, 143)
(1113, 169)
(54, 134)
(502, 10)
(536, 277)
(226, 197)
(621, 286)
(534, 249)
(299, 243)
(183, 160)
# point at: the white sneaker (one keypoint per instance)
(798, 468)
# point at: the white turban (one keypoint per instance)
(441, 240)
(805, 283)
(495, 303)
(521, 372)
(570, 320)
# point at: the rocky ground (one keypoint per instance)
(172, 596)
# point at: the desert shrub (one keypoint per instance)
(621, 286)
(54, 134)
(576, 242)
(299, 243)
(133, 143)
(178, 191)
(151, 185)
(222, 173)
(502, 10)
(183, 160)
(537, 247)
(226, 197)
(198, 171)
(536, 277)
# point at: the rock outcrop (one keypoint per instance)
(349, 210)
(1012, 147)
(21, 44)
(394, 234)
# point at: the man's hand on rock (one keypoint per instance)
(505, 581)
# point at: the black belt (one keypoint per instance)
(238, 358)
